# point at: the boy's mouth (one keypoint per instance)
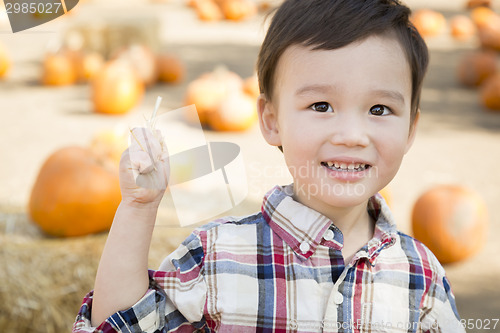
(346, 167)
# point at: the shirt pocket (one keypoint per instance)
(384, 318)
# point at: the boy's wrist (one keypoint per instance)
(141, 206)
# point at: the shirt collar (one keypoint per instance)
(298, 224)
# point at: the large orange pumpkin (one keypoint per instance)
(475, 67)
(452, 221)
(116, 88)
(74, 194)
(4, 61)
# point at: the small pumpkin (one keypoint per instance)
(170, 68)
(478, 3)
(207, 91)
(208, 10)
(251, 86)
(490, 93)
(462, 27)
(428, 22)
(88, 64)
(108, 145)
(451, 220)
(142, 59)
(475, 67)
(116, 89)
(5, 62)
(74, 194)
(237, 10)
(482, 15)
(387, 195)
(236, 112)
(59, 69)
(489, 29)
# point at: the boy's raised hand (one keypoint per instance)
(144, 168)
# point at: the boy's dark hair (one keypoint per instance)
(332, 24)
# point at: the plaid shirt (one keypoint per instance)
(282, 270)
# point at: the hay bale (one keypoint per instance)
(44, 281)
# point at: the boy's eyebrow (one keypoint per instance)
(322, 88)
(325, 88)
(392, 94)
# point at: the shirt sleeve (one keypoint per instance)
(442, 314)
(174, 301)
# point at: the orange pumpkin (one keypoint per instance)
(207, 10)
(108, 145)
(142, 59)
(236, 112)
(208, 91)
(490, 93)
(462, 28)
(489, 31)
(481, 15)
(88, 64)
(74, 194)
(476, 67)
(59, 69)
(452, 221)
(116, 88)
(170, 68)
(251, 86)
(387, 195)
(237, 10)
(4, 62)
(478, 3)
(428, 22)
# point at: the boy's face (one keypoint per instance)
(343, 119)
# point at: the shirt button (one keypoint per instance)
(329, 235)
(304, 247)
(338, 298)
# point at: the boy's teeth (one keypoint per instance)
(346, 167)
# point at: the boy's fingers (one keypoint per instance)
(141, 161)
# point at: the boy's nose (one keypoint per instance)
(349, 130)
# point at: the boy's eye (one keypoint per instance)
(380, 110)
(322, 107)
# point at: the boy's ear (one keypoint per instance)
(413, 131)
(268, 121)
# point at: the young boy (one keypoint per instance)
(340, 83)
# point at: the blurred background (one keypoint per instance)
(70, 90)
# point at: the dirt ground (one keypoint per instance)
(457, 141)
